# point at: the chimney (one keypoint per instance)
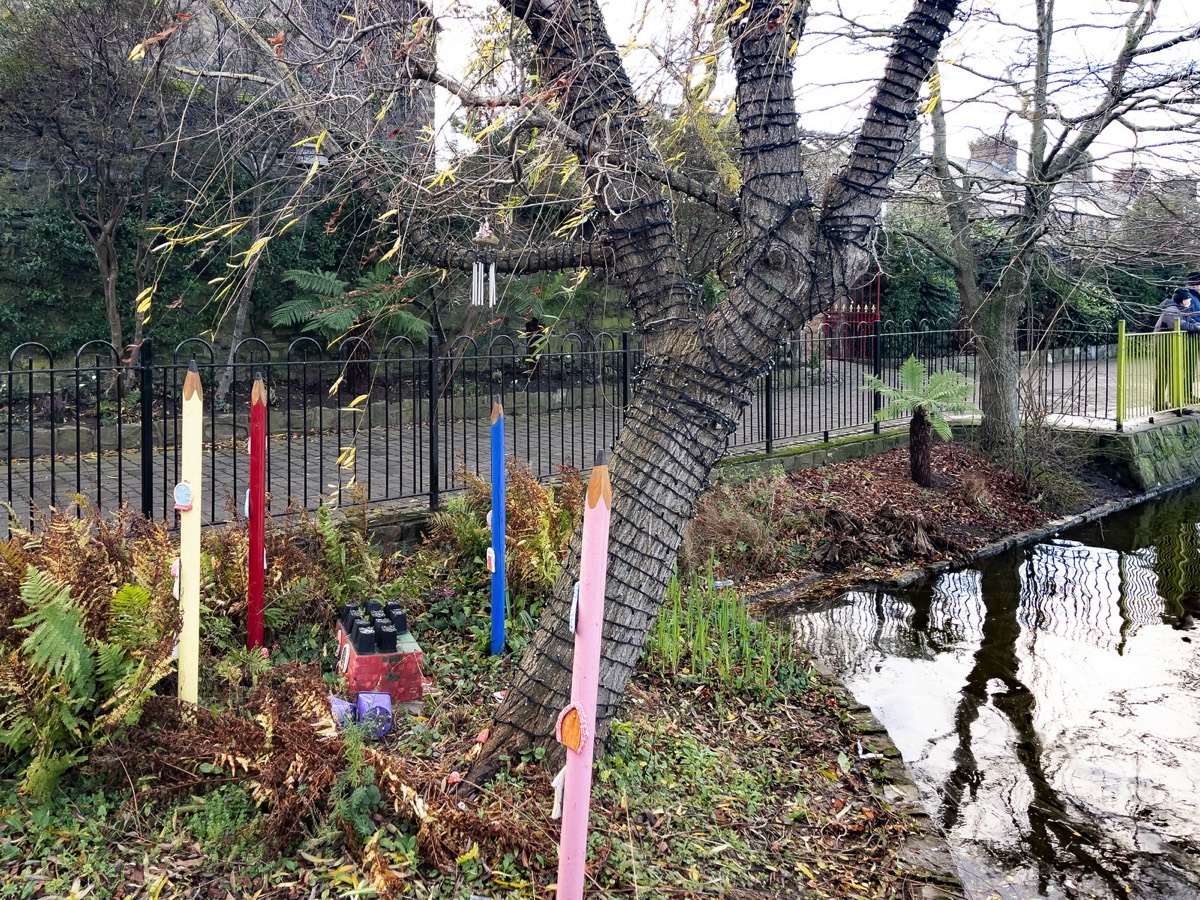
(1084, 170)
(1132, 181)
(997, 150)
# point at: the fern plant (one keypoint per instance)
(928, 399)
(325, 304)
(62, 691)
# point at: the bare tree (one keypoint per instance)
(1148, 88)
(85, 81)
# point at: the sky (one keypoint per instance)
(836, 77)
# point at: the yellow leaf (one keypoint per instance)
(390, 253)
(137, 54)
(313, 138)
(255, 248)
(289, 224)
(471, 854)
(447, 174)
(361, 398)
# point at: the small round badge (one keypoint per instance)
(183, 496)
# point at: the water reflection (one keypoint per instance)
(1047, 703)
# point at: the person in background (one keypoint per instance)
(1193, 288)
(1176, 308)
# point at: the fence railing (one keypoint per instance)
(1157, 373)
(404, 421)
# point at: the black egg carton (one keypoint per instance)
(374, 627)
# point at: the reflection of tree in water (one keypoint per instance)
(1053, 827)
(1177, 567)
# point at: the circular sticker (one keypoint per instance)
(183, 496)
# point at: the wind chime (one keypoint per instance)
(484, 282)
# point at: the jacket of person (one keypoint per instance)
(1173, 310)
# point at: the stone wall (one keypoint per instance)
(1162, 454)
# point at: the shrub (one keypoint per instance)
(86, 630)
(539, 522)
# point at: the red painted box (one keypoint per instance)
(396, 674)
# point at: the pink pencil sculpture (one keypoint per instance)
(576, 727)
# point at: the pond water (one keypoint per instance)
(1047, 702)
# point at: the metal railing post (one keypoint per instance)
(146, 370)
(626, 367)
(769, 391)
(876, 396)
(434, 390)
(1177, 369)
(1121, 351)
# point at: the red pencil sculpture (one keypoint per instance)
(256, 513)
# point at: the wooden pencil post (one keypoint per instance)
(576, 727)
(257, 515)
(188, 503)
(499, 498)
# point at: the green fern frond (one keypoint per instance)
(912, 376)
(128, 616)
(318, 282)
(113, 663)
(332, 320)
(295, 312)
(57, 644)
(402, 323)
(44, 771)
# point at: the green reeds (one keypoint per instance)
(706, 633)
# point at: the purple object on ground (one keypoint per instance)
(375, 712)
(344, 712)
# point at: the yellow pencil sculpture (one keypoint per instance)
(187, 502)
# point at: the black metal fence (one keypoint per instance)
(402, 421)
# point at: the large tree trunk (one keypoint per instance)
(659, 468)
(697, 375)
(995, 326)
(699, 367)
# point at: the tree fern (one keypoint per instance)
(939, 395)
(928, 400)
(325, 305)
(297, 311)
(316, 282)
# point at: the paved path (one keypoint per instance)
(395, 465)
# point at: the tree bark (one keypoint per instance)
(920, 448)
